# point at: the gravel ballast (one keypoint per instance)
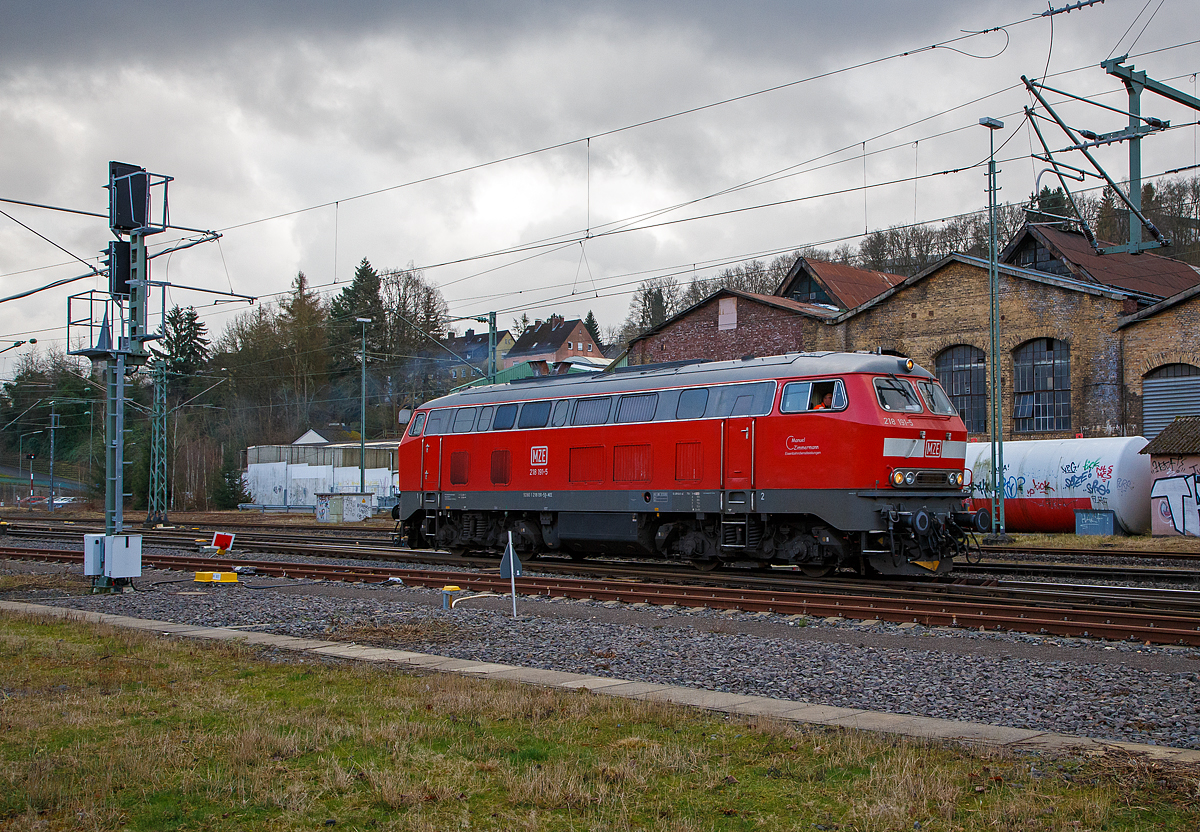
(1108, 690)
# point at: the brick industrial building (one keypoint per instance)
(1091, 345)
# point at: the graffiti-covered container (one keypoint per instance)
(1045, 480)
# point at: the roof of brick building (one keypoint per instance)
(847, 286)
(1145, 273)
(1180, 437)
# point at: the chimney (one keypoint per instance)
(1128, 306)
(470, 333)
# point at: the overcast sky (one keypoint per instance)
(301, 108)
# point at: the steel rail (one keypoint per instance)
(1113, 622)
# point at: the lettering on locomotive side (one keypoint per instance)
(539, 455)
(933, 447)
(796, 446)
(536, 494)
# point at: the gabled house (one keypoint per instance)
(471, 347)
(553, 341)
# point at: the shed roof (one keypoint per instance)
(847, 285)
(1180, 437)
(1145, 273)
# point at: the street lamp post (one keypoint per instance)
(362, 413)
(995, 422)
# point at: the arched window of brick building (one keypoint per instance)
(1173, 371)
(962, 370)
(1042, 386)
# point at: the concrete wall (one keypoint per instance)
(278, 483)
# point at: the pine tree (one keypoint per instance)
(183, 347)
(361, 299)
(593, 328)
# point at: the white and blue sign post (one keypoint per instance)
(510, 567)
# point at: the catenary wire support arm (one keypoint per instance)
(1087, 231)
(1033, 88)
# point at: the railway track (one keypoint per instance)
(1157, 616)
(376, 545)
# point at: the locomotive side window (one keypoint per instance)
(439, 421)
(755, 399)
(418, 423)
(464, 420)
(800, 396)
(485, 418)
(796, 395)
(506, 416)
(896, 394)
(935, 397)
(534, 415)
(692, 403)
(560, 413)
(638, 408)
(592, 411)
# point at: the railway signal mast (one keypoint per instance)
(111, 327)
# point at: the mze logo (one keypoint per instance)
(933, 447)
(539, 455)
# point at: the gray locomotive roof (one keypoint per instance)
(653, 376)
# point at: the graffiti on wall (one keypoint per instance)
(1178, 505)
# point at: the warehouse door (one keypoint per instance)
(1169, 391)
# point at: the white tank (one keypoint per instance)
(1045, 480)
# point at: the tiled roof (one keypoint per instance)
(473, 346)
(852, 286)
(1180, 437)
(1146, 273)
(545, 338)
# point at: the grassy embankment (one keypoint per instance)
(103, 728)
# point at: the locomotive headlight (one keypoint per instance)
(897, 478)
(910, 477)
(954, 477)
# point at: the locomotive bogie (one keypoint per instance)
(818, 461)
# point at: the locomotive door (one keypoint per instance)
(431, 463)
(739, 462)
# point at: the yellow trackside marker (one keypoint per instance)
(931, 565)
(216, 578)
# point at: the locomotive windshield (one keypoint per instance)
(896, 394)
(936, 398)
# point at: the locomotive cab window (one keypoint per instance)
(534, 415)
(439, 422)
(464, 420)
(896, 395)
(506, 416)
(935, 397)
(801, 396)
(417, 424)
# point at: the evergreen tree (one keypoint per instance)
(302, 328)
(184, 347)
(361, 299)
(593, 328)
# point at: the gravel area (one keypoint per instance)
(1108, 690)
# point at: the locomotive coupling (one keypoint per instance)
(972, 521)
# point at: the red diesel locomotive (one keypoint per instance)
(821, 460)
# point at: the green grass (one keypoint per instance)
(108, 729)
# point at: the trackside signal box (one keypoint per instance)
(121, 554)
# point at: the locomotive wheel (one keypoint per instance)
(457, 551)
(817, 570)
(707, 565)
